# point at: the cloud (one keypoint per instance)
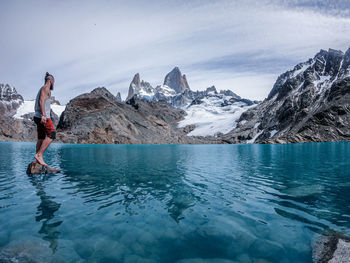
(230, 44)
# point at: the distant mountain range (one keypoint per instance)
(211, 112)
(308, 103)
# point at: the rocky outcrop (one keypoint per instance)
(36, 168)
(310, 103)
(98, 117)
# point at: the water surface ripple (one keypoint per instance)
(173, 203)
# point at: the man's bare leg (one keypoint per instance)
(43, 147)
(38, 144)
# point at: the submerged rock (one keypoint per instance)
(36, 168)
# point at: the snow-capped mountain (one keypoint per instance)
(16, 115)
(10, 100)
(214, 113)
(311, 102)
(209, 111)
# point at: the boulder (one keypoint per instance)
(333, 248)
(36, 168)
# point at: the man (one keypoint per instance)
(45, 128)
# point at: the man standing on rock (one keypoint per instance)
(45, 128)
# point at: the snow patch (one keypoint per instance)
(272, 133)
(58, 109)
(255, 137)
(27, 107)
(299, 71)
(211, 118)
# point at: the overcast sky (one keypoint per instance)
(237, 45)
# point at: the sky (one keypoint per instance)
(238, 45)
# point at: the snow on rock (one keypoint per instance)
(272, 133)
(58, 109)
(27, 107)
(255, 137)
(211, 118)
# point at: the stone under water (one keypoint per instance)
(36, 168)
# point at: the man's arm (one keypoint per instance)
(44, 94)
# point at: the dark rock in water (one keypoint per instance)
(36, 168)
(333, 248)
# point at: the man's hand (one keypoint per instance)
(43, 119)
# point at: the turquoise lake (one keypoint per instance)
(173, 203)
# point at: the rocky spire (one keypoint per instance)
(119, 97)
(175, 80)
(134, 86)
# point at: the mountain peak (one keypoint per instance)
(140, 87)
(176, 81)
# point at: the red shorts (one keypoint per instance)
(46, 129)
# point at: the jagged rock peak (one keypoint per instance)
(134, 86)
(103, 92)
(140, 87)
(229, 93)
(9, 93)
(136, 79)
(119, 97)
(176, 81)
(211, 89)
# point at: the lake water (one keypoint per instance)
(175, 203)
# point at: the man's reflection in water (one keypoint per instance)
(46, 211)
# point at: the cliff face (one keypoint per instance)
(98, 117)
(176, 81)
(310, 103)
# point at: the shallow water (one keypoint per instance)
(176, 203)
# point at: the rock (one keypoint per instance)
(331, 248)
(140, 87)
(36, 168)
(176, 81)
